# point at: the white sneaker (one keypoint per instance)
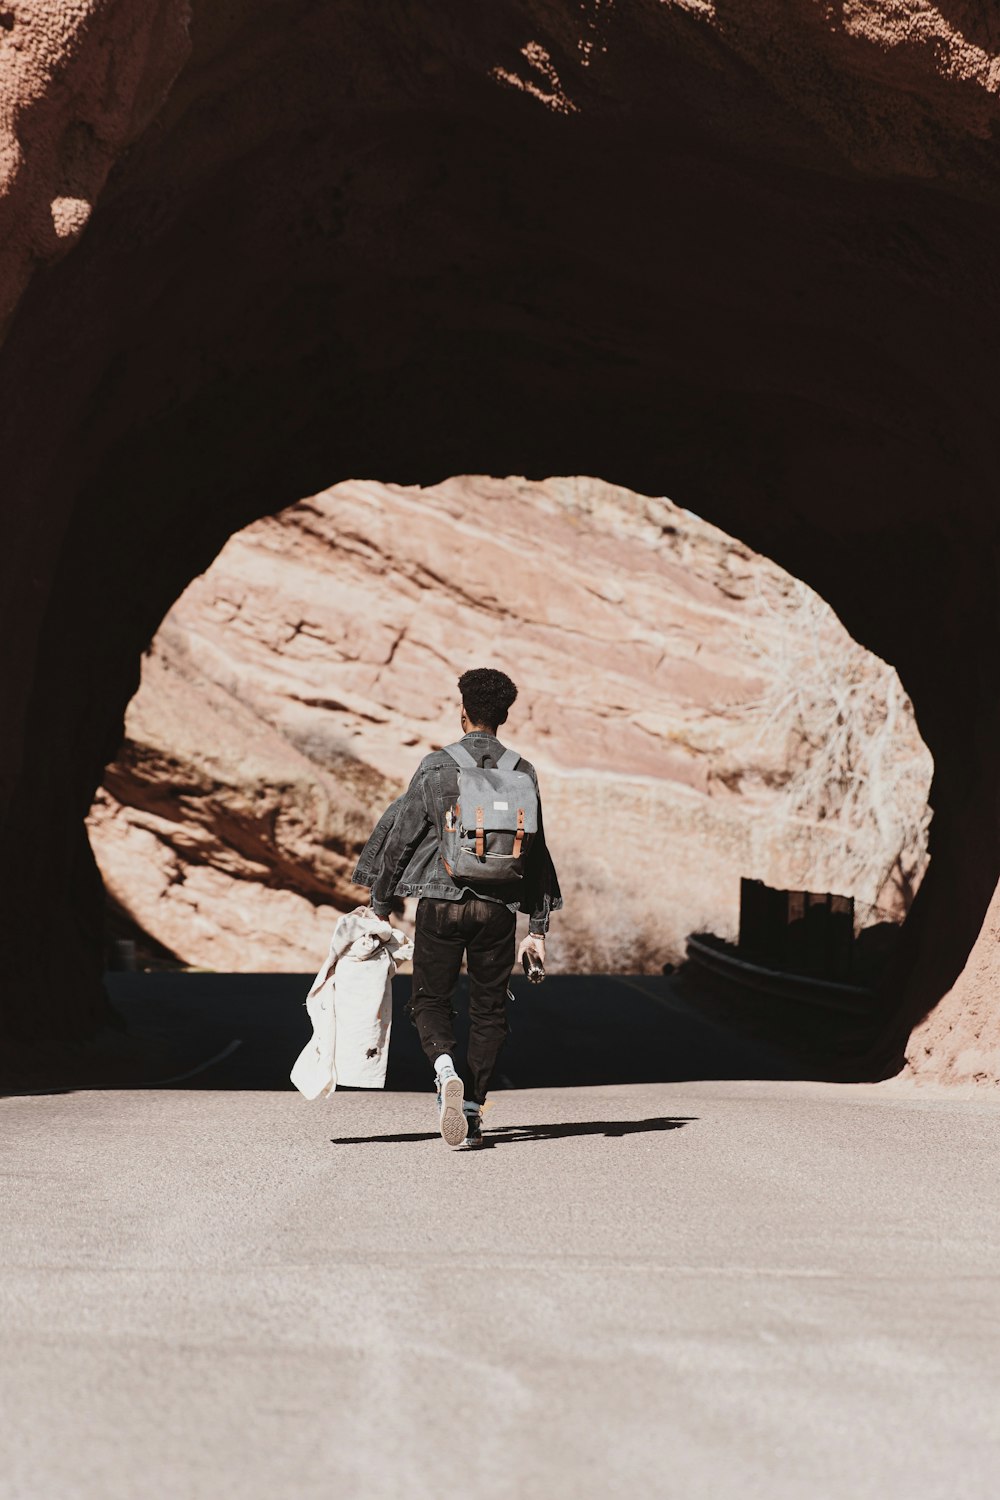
(451, 1116)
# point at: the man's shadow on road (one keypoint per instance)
(506, 1135)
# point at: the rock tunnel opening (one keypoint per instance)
(740, 257)
(697, 716)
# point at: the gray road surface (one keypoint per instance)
(672, 1290)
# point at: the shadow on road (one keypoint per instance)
(506, 1135)
(244, 1031)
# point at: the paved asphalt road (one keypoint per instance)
(728, 1289)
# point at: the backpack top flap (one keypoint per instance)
(501, 792)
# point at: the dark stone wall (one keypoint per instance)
(746, 262)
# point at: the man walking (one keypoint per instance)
(473, 870)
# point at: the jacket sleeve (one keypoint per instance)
(367, 865)
(542, 894)
(408, 828)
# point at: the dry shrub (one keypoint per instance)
(606, 928)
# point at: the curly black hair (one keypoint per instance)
(486, 695)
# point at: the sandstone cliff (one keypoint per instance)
(294, 686)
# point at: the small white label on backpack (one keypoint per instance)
(497, 806)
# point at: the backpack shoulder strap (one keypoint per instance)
(508, 760)
(459, 753)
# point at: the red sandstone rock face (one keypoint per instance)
(79, 81)
(741, 254)
(295, 685)
(959, 1042)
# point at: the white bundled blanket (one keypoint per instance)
(350, 1007)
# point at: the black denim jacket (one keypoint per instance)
(403, 855)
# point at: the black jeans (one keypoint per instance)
(443, 931)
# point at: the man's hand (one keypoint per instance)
(534, 943)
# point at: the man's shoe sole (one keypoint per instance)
(454, 1125)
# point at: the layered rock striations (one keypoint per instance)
(295, 685)
(740, 254)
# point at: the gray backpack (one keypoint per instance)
(490, 829)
